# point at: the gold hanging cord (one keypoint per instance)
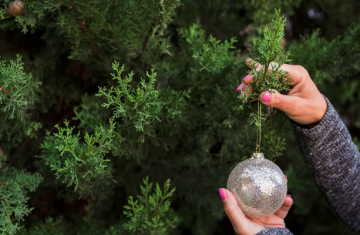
(258, 138)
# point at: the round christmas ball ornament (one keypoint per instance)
(17, 8)
(258, 185)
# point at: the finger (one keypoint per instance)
(248, 91)
(248, 79)
(285, 103)
(236, 216)
(284, 209)
(243, 88)
(240, 88)
(296, 72)
(253, 64)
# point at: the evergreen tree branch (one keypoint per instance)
(265, 51)
(145, 43)
(150, 213)
(66, 116)
(83, 28)
(203, 16)
(139, 106)
(1, 88)
(15, 185)
(81, 164)
(18, 151)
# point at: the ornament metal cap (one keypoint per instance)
(258, 156)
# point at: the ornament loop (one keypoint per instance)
(258, 155)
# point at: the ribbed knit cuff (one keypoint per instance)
(311, 139)
(310, 135)
(275, 231)
(312, 125)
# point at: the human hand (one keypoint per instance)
(303, 104)
(250, 226)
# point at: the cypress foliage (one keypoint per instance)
(99, 97)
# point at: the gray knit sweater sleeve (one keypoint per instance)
(334, 160)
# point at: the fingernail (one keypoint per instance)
(266, 97)
(246, 77)
(285, 176)
(288, 196)
(222, 193)
(240, 86)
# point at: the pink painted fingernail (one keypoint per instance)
(240, 86)
(266, 97)
(246, 77)
(288, 196)
(222, 193)
(285, 176)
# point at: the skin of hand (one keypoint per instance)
(304, 103)
(250, 226)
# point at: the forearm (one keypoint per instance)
(334, 160)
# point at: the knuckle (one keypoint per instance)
(277, 100)
(237, 231)
(302, 70)
(228, 211)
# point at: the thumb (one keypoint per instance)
(240, 223)
(274, 99)
(284, 209)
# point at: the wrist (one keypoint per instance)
(308, 126)
(320, 110)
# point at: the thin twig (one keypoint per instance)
(144, 46)
(2, 88)
(69, 114)
(83, 28)
(113, 9)
(154, 213)
(18, 151)
(66, 116)
(203, 16)
(260, 128)
(145, 43)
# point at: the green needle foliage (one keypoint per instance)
(18, 94)
(148, 214)
(267, 56)
(91, 113)
(138, 105)
(81, 164)
(148, 88)
(18, 89)
(14, 186)
(50, 226)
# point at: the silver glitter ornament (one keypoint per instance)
(258, 185)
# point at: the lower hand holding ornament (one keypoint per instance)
(250, 226)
